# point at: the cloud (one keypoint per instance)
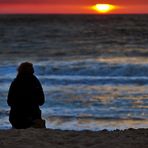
(83, 2)
(23, 1)
(125, 2)
(68, 2)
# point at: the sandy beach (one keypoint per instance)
(47, 138)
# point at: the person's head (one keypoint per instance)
(25, 68)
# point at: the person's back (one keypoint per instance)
(24, 97)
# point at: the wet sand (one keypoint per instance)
(47, 138)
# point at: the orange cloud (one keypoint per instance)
(41, 8)
(66, 8)
(77, 2)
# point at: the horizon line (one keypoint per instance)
(74, 13)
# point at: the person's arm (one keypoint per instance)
(39, 93)
(11, 92)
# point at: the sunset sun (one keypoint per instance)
(103, 8)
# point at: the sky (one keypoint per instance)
(70, 6)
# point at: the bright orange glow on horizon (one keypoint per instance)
(104, 8)
(72, 7)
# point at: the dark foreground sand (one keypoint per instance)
(46, 138)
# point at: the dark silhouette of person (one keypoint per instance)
(24, 97)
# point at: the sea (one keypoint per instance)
(93, 68)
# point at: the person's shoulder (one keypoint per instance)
(35, 78)
(14, 80)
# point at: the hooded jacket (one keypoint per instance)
(24, 97)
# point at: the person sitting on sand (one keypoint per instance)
(24, 98)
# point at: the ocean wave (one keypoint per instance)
(83, 67)
(92, 80)
(98, 112)
(4, 112)
(96, 118)
(92, 69)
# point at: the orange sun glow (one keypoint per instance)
(103, 8)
